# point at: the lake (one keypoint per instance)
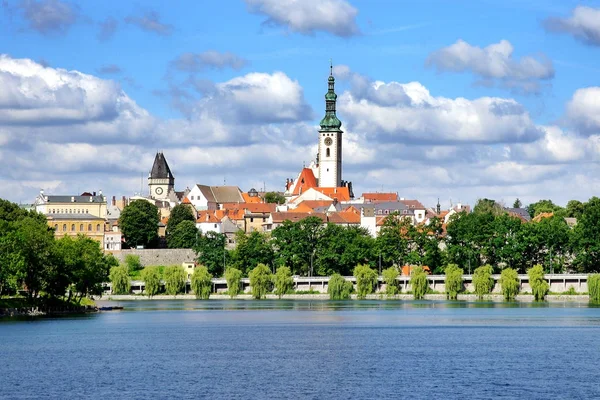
(306, 350)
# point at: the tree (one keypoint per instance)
(574, 209)
(390, 277)
(517, 203)
(454, 281)
(211, 252)
(594, 287)
(509, 281)
(274, 197)
(418, 283)
(366, 280)
(340, 249)
(184, 236)
(175, 279)
(539, 286)
(120, 280)
(283, 281)
(260, 280)
(151, 278)
(392, 241)
(139, 223)
(233, 276)
(179, 213)
(252, 249)
(488, 206)
(339, 288)
(483, 281)
(586, 238)
(133, 263)
(202, 282)
(296, 243)
(542, 206)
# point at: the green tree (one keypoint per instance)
(283, 281)
(488, 206)
(340, 249)
(175, 279)
(574, 209)
(119, 279)
(133, 263)
(390, 277)
(184, 236)
(211, 252)
(295, 243)
(419, 283)
(139, 223)
(179, 213)
(509, 281)
(366, 280)
(483, 281)
(252, 249)
(233, 276)
(261, 280)
(274, 197)
(539, 286)
(594, 287)
(542, 206)
(392, 241)
(151, 278)
(454, 281)
(517, 203)
(339, 288)
(202, 282)
(586, 238)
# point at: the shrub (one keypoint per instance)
(120, 280)
(366, 280)
(390, 277)
(418, 282)
(283, 281)
(151, 278)
(202, 282)
(339, 288)
(133, 264)
(539, 286)
(261, 280)
(483, 281)
(571, 291)
(175, 278)
(594, 287)
(233, 277)
(509, 281)
(454, 281)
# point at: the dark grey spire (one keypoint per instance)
(160, 168)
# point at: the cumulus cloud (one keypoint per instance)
(195, 62)
(493, 63)
(108, 27)
(337, 17)
(583, 111)
(150, 22)
(583, 24)
(48, 17)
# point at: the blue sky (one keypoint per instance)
(189, 70)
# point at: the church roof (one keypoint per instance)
(160, 168)
(305, 181)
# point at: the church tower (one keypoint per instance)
(330, 141)
(160, 180)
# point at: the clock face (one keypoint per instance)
(328, 141)
(158, 190)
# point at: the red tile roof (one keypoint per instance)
(374, 197)
(414, 204)
(316, 203)
(305, 181)
(340, 193)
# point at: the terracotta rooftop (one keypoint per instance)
(542, 216)
(305, 181)
(413, 204)
(340, 193)
(373, 197)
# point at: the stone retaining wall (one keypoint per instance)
(155, 257)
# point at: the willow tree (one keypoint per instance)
(261, 280)
(390, 277)
(175, 278)
(283, 281)
(151, 278)
(202, 282)
(119, 278)
(483, 281)
(594, 287)
(233, 276)
(418, 283)
(454, 281)
(339, 288)
(366, 280)
(539, 286)
(509, 281)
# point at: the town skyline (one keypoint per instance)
(430, 108)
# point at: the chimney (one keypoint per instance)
(114, 201)
(100, 192)
(94, 193)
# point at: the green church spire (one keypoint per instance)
(330, 121)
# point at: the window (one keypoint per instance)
(90, 227)
(81, 228)
(215, 225)
(72, 227)
(251, 219)
(56, 227)
(387, 211)
(98, 228)
(327, 153)
(64, 227)
(86, 211)
(264, 219)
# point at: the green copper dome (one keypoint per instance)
(330, 121)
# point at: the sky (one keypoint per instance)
(452, 100)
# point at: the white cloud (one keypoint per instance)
(583, 111)
(337, 17)
(583, 24)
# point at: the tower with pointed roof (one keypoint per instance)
(330, 140)
(160, 181)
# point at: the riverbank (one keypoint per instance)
(22, 307)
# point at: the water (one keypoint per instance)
(306, 349)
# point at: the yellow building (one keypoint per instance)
(87, 203)
(74, 224)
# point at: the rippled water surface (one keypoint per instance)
(306, 349)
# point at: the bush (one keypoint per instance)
(454, 281)
(120, 280)
(366, 280)
(175, 278)
(418, 282)
(202, 282)
(151, 278)
(509, 281)
(338, 288)
(483, 281)
(539, 286)
(133, 264)
(233, 277)
(390, 277)
(283, 281)
(261, 280)
(594, 287)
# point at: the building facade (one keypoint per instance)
(161, 182)
(330, 141)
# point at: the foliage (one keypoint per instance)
(274, 197)
(483, 281)
(133, 263)
(574, 209)
(139, 223)
(341, 248)
(517, 203)
(454, 281)
(184, 236)
(151, 278)
(339, 288)
(366, 280)
(252, 249)
(261, 280)
(211, 252)
(233, 277)
(296, 242)
(509, 281)
(594, 287)
(202, 282)
(283, 281)
(488, 206)
(539, 286)
(419, 283)
(586, 238)
(179, 213)
(390, 277)
(392, 241)
(119, 279)
(542, 206)
(175, 279)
